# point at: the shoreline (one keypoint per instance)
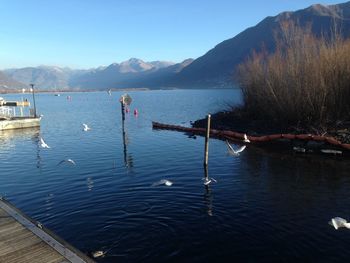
(112, 90)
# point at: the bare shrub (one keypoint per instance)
(305, 81)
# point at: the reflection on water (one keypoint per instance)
(49, 204)
(89, 183)
(208, 198)
(128, 160)
(8, 137)
(38, 157)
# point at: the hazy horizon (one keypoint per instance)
(88, 34)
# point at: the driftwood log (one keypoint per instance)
(236, 136)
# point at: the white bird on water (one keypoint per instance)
(207, 180)
(163, 181)
(86, 128)
(246, 138)
(339, 222)
(233, 151)
(99, 253)
(43, 144)
(69, 161)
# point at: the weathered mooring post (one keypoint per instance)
(122, 104)
(32, 85)
(125, 100)
(206, 147)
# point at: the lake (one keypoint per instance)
(264, 207)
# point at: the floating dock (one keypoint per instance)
(19, 123)
(24, 240)
(9, 120)
(15, 103)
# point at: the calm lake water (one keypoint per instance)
(265, 207)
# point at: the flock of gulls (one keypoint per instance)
(336, 222)
(207, 180)
(165, 182)
(44, 145)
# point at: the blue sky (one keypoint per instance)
(91, 33)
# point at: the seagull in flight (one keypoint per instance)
(339, 222)
(43, 144)
(246, 138)
(234, 152)
(207, 180)
(86, 128)
(69, 161)
(163, 181)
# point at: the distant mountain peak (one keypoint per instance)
(217, 66)
(161, 64)
(135, 60)
(134, 65)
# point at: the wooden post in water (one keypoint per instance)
(122, 107)
(207, 142)
(32, 85)
(125, 100)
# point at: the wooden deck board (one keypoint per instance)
(5, 220)
(38, 253)
(10, 227)
(3, 213)
(22, 241)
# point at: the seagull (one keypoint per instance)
(39, 225)
(163, 181)
(299, 149)
(233, 151)
(339, 222)
(246, 138)
(86, 128)
(102, 253)
(43, 144)
(207, 180)
(99, 253)
(67, 161)
(331, 151)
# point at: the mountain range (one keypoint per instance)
(7, 83)
(213, 69)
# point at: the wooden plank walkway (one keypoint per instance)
(24, 240)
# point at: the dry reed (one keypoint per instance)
(305, 82)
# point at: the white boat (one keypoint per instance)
(10, 120)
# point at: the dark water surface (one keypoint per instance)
(265, 207)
